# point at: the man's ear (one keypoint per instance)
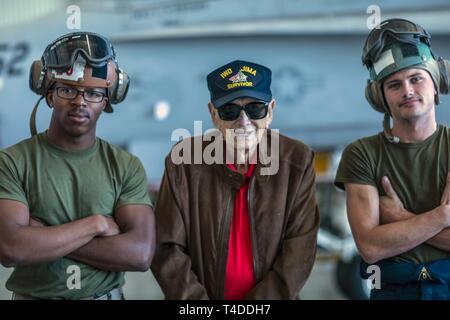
(211, 107)
(105, 103)
(272, 104)
(49, 98)
(213, 113)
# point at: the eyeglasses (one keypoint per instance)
(88, 95)
(254, 110)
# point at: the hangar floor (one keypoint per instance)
(141, 286)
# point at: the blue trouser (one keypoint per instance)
(411, 281)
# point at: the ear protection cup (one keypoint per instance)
(120, 89)
(374, 96)
(37, 81)
(444, 75)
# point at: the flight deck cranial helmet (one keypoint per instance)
(394, 45)
(81, 58)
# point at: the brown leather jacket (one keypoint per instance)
(193, 216)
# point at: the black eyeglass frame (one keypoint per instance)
(58, 93)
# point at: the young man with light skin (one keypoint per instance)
(231, 229)
(410, 97)
(68, 198)
(398, 181)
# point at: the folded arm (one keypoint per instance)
(392, 210)
(22, 244)
(131, 250)
(375, 241)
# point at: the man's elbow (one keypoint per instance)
(143, 260)
(8, 257)
(141, 264)
(6, 262)
(370, 254)
(368, 258)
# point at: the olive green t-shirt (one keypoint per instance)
(61, 186)
(417, 172)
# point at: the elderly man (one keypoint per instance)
(230, 229)
(397, 181)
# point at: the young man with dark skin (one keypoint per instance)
(68, 199)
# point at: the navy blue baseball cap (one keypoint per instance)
(239, 79)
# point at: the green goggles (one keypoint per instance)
(389, 31)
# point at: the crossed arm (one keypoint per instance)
(392, 210)
(96, 240)
(131, 250)
(376, 241)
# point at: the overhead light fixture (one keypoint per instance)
(161, 110)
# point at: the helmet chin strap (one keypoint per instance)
(387, 130)
(33, 130)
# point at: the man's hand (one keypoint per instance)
(35, 223)
(391, 207)
(108, 226)
(132, 249)
(445, 199)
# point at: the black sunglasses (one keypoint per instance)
(255, 110)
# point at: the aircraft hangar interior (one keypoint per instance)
(167, 48)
